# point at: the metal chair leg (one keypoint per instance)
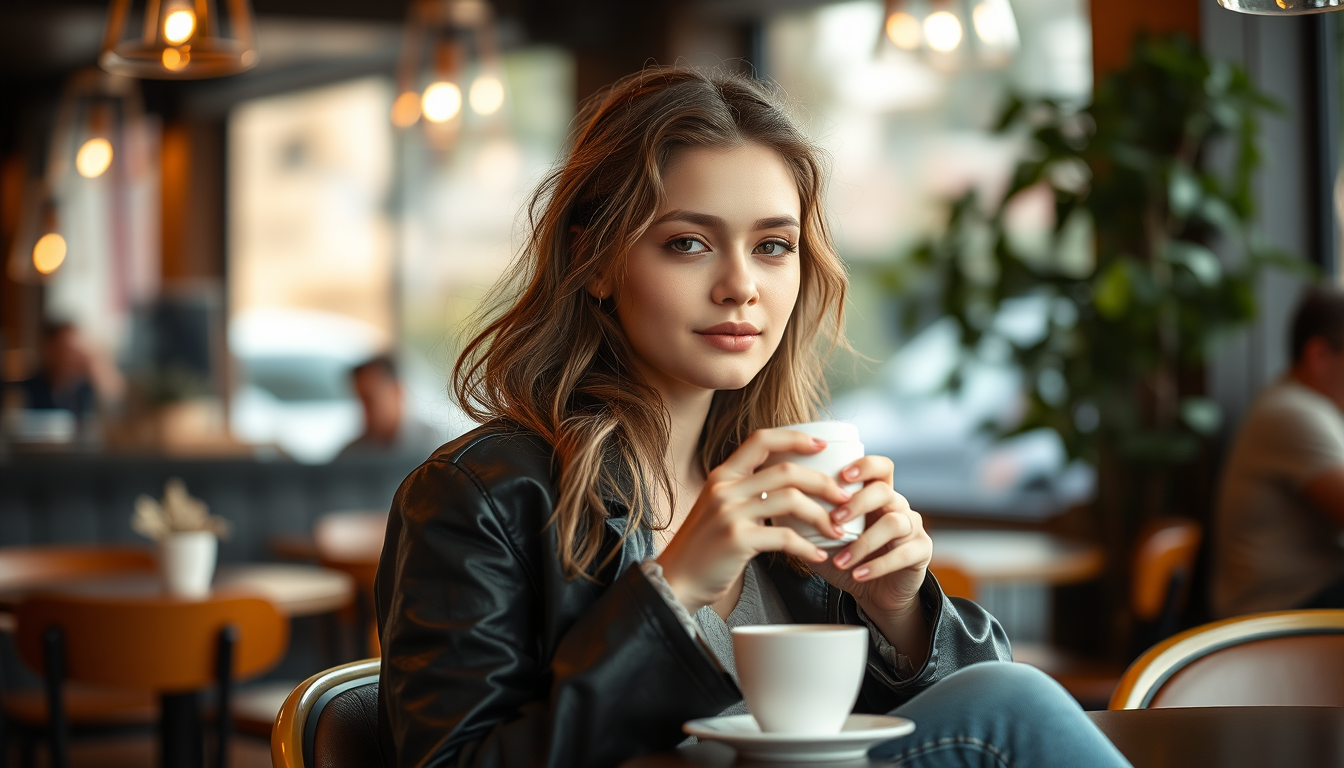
(53, 652)
(228, 638)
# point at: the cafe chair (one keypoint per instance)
(159, 645)
(331, 720)
(89, 709)
(1163, 566)
(954, 581)
(1284, 658)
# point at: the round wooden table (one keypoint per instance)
(1016, 556)
(1194, 737)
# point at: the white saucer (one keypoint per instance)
(861, 733)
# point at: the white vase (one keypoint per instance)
(187, 562)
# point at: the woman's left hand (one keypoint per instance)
(884, 568)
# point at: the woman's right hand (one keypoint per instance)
(726, 527)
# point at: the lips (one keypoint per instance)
(731, 337)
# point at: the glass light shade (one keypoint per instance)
(449, 67)
(96, 113)
(1281, 7)
(178, 39)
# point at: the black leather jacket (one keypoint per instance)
(491, 657)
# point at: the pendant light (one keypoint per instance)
(449, 66)
(178, 39)
(1281, 7)
(950, 33)
(90, 144)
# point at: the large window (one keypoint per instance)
(907, 132)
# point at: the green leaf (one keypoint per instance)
(1198, 259)
(1202, 415)
(1111, 292)
(1183, 191)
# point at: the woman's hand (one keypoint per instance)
(884, 568)
(726, 527)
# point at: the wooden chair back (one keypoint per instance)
(955, 581)
(23, 567)
(1164, 562)
(1284, 658)
(161, 644)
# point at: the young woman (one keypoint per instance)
(557, 585)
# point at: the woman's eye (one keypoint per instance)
(773, 248)
(687, 245)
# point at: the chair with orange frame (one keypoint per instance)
(169, 647)
(89, 709)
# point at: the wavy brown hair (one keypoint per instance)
(555, 360)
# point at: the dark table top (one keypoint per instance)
(1194, 737)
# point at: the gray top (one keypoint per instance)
(1275, 548)
(759, 603)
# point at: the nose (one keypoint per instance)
(735, 283)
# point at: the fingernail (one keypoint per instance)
(820, 555)
(838, 531)
(846, 495)
(842, 559)
(839, 514)
(861, 573)
(817, 441)
(851, 473)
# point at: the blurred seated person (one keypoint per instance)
(1281, 508)
(388, 428)
(71, 376)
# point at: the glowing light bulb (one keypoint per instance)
(943, 31)
(406, 109)
(178, 26)
(441, 102)
(174, 59)
(994, 24)
(93, 158)
(486, 95)
(49, 253)
(903, 30)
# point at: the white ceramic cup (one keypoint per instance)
(187, 562)
(842, 449)
(800, 678)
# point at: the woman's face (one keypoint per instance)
(708, 290)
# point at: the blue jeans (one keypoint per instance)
(997, 715)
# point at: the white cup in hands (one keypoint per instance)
(842, 449)
(800, 678)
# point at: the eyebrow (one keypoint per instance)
(710, 220)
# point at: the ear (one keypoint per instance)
(599, 286)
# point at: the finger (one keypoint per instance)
(791, 501)
(875, 495)
(889, 528)
(913, 553)
(753, 451)
(787, 540)
(868, 468)
(791, 475)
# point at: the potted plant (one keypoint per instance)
(187, 536)
(1142, 183)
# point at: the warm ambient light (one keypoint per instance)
(173, 59)
(49, 253)
(943, 31)
(442, 102)
(903, 30)
(93, 158)
(994, 24)
(178, 26)
(487, 95)
(406, 109)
